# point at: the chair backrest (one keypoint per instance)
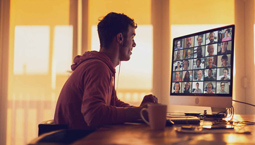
(49, 125)
(66, 136)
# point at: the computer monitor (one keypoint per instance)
(202, 68)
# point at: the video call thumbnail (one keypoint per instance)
(202, 63)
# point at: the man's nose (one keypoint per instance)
(134, 44)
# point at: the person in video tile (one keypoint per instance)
(197, 90)
(178, 55)
(225, 74)
(209, 88)
(178, 67)
(210, 50)
(198, 64)
(186, 88)
(186, 77)
(178, 45)
(224, 61)
(209, 77)
(210, 63)
(223, 49)
(211, 38)
(176, 88)
(188, 42)
(199, 75)
(222, 90)
(226, 37)
(185, 64)
(188, 54)
(199, 52)
(199, 40)
(177, 77)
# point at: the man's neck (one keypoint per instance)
(112, 53)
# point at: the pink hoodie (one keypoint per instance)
(88, 98)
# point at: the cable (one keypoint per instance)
(244, 103)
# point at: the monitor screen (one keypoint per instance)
(202, 68)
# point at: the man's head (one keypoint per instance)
(120, 29)
(178, 44)
(224, 46)
(211, 37)
(224, 60)
(225, 72)
(210, 61)
(178, 64)
(176, 86)
(199, 75)
(210, 49)
(188, 42)
(222, 86)
(209, 87)
(198, 62)
(199, 40)
(185, 64)
(209, 72)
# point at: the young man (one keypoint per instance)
(88, 99)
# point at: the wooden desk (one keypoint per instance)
(139, 133)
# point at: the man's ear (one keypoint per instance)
(120, 38)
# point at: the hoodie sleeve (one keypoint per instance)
(97, 96)
(116, 102)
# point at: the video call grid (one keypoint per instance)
(190, 53)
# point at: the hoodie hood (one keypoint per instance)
(92, 55)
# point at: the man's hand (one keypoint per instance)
(149, 99)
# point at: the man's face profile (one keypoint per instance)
(210, 49)
(128, 43)
(199, 75)
(188, 41)
(211, 37)
(209, 88)
(224, 46)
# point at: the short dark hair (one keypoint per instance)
(224, 57)
(225, 69)
(112, 24)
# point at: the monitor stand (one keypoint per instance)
(216, 110)
(217, 115)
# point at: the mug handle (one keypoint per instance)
(141, 113)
